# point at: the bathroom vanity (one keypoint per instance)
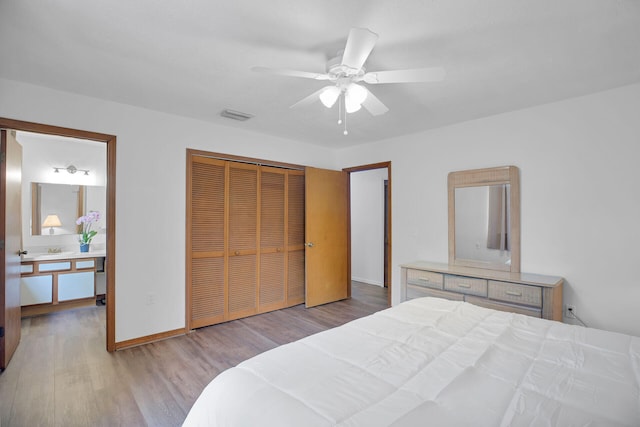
(58, 281)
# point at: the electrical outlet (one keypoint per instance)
(569, 311)
(151, 299)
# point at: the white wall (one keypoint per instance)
(579, 181)
(367, 226)
(150, 202)
(580, 188)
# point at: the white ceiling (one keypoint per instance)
(193, 57)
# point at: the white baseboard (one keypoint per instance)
(367, 281)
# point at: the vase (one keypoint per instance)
(84, 247)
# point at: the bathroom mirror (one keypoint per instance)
(67, 203)
(484, 218)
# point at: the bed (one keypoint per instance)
(431, 361)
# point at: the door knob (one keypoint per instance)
(309, 244)
(21, 252)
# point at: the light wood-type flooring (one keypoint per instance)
(61, 374)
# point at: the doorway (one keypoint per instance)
(110, 142)
(370, 225)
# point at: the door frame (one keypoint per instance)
(110, 266)
(371, 166)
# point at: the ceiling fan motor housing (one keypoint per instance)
(336, 70)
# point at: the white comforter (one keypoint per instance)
(434, 362)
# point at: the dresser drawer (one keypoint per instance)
(515, 293)
(466, 285)
(421, 291)
(424, 278)
(486, 303)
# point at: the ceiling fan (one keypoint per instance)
(346, 72)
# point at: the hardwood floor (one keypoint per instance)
(61, 374)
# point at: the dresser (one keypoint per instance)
(525, 293)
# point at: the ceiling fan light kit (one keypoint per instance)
(354, 96)
(347, 69)
(330, 95)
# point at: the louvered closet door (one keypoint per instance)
(245, 240)
(243, 244)
(272, 239)
(295, 237)
(206, 236)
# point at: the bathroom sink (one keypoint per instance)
(58, 254)
(63, 255)
(36, 256)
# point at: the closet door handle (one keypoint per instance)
(21, 252)
(309, 244)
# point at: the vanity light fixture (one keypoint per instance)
(71, 169)
(52, 221)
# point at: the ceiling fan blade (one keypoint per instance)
(291, 73)
(315, 96)
(374, 105)
(434, 74)
(359, 45)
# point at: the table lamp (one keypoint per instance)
(52, 221)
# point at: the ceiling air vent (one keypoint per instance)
(236, 115)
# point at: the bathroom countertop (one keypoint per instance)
(63, 255)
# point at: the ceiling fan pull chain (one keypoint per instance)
(340, 110)
(345, 120)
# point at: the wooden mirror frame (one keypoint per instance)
(36, 209)
(487, 177)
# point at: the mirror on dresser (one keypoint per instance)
(484, 218)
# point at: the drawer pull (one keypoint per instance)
(514, 293)
(464, 285)
(422, 279)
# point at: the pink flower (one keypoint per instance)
(87, 220)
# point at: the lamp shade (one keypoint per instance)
(52, 221)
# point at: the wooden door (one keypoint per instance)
(295, 238)
(10, 244)
(273, 249)
(206, 241)
(326, 236)
(242, 265)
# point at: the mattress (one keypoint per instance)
(436, 362)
